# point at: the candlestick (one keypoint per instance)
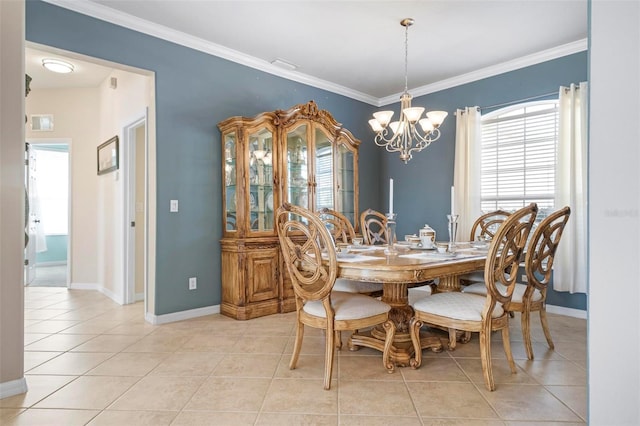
(390, 196)
(453, 230)
(390, 232)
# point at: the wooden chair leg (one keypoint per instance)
(525, 324)
(390, 328)
(338, 340)
(328, 358)
(297, 346)
(506, 343)
(485, 357)
(545, 327)
(414, 332)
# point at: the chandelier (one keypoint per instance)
(405, 137)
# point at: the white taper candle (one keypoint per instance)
(453, 195)
(391, 196)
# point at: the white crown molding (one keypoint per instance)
(525, 61)
(107, 14)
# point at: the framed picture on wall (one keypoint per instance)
(108, 156)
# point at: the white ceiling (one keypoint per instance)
(357, 47)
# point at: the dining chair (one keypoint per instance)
(470, 313)
(342, 231)
(338, 225)
(484, 228)
(532, 296)
(311, 260)
(486, 225)
(373, 226)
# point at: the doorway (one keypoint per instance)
(135, 202)
(47, 260)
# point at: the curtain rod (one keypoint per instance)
(518, 101)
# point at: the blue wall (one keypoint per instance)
(195, 91)
(56, 249)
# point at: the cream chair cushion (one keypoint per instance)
(417, 293)
(352, 286)
(518, 292)
(348, 306)
(459, 306)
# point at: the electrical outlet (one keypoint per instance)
(173, 206)
(193, 283)
(524, 278)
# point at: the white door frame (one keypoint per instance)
(129, 203)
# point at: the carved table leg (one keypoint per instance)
(397, 296)
(448, 284)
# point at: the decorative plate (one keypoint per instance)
(270, 202)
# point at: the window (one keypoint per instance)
(324, 177)
(52, 183)
(519, 154)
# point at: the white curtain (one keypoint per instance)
(466, 172)
(570, 264)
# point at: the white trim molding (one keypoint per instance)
(182, 315)
(567, 312)
(107, 14)
(14, 387)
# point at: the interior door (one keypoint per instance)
(31, 219)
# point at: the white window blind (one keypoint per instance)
(519, 154)
(324, 177)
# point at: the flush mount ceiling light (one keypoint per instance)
(56, 65)
(405, 137)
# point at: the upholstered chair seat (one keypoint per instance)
(517, 296)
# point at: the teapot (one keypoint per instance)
(427, 237)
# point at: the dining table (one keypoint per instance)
(397, 272)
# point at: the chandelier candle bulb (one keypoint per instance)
(390, 196)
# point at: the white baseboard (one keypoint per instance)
(84, 286)
(182, 315)
(95, 286)
(567, 312)
(118, 298)
(14, 387)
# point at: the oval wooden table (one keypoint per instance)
(397, 273)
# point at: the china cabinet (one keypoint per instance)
(301, 156)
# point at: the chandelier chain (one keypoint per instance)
(406, 58)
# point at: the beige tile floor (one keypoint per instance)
(91, 361)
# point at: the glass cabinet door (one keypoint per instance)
(260, 202)
(345, 176)
(298, 167)
(324, 176)
(230, 180)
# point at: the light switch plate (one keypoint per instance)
(174, 206)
